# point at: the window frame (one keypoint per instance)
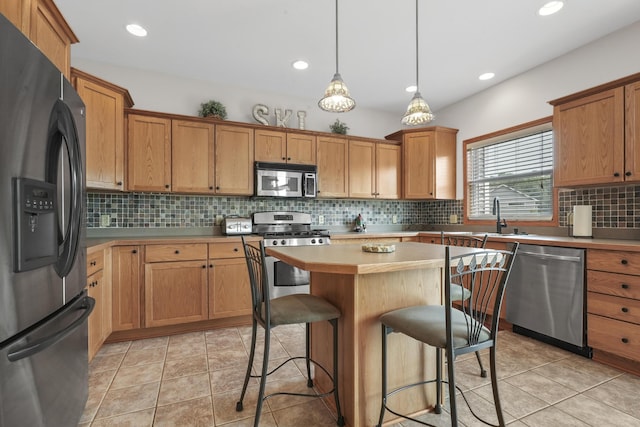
(506, 134)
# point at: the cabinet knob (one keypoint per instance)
(284, 158)
(235, 249)
(624, 286)
(625, 340)
(627, 173)
(135, 251)
(210, 265)
(119, 183)
(92, 263)
(217, 187)
(211, 187)
(177, 251)
(204, 266)
(288, 158)
(624, 262)
(624, 309)
(616, 174)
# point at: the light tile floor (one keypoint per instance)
(194, 380)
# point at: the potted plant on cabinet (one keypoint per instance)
(213, 109)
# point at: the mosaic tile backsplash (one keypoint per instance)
(613, 207)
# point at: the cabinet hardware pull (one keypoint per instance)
(204, 266)
(119, 183)
(166, 186)
(92, 263)
(235, 249)
(625, 340)
(616, 174)
(624, 262)
(211, 187)
(217, 187)
(625, 309)
(135, 251)
(177, 251)
(624, 286)
(627, 173)
(210, 265)
(284, 158)
(288, 158)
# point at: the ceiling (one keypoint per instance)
(252, 43)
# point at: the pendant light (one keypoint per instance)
(418, 111)
(336, 98)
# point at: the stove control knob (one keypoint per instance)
(313, 241)
(320, 241)
(283, 242)
(275, 242)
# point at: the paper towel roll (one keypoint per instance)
(582, 221)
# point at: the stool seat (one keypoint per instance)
(301, 308)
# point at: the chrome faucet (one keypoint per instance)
(496, 211)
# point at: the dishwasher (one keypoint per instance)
(546, 296)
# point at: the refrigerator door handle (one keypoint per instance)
(83, 302)
(62, 130)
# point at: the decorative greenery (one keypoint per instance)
(213, 109)
(339, 127)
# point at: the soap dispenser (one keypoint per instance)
(360, 226)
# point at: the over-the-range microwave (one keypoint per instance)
(285, 180)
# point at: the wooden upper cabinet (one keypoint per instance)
(105, 103)
(429, 162)
(271, 146)
(632, 131)
(362, 169)
(192, 152)
(301, 148)
(589, 139)
(388, 171)
(234, 160)
(333, 167)
(284, 147)
(149, 150)
(42, 22)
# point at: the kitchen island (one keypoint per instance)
(364, 286)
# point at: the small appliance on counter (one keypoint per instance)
(235, 225)
(581, 221)
(360, 226)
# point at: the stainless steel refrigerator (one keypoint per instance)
(43, 308)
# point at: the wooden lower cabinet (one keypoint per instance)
(99, 288)
(126, 281)
(229, 288)
(175, 292)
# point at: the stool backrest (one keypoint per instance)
(485, 274)
(258, 279)
(463, 240)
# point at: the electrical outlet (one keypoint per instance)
(320, 219)
(453, 219)
(219, 219)
(105, 220)
(394, 219)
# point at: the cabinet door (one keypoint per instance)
(388, 167)
(15, 12)
(149, 149)
(95, 322)
(333, 167)
(632, 131)
(229, 289)
(234, 160)
(175, 292)
(192, 157)
(301, 148)
(419, 154)
(105, 135)
(362, 165)
(50, 32)
(126, 287)
(589, 140)
(271, 146)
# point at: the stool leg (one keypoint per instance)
(438, 408)
(252, 353)
(483, 372)
(263, 376)
(308, 355)
(452, 387)
(385, 332)
(494, 386)
(334, 324)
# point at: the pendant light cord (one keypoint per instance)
(336, 36)
(417, 50)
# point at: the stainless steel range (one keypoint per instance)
(281, 228)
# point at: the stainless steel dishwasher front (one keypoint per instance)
(545, 296)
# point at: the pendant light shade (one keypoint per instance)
(337, 98)
(418, 111)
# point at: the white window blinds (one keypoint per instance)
(517, 170)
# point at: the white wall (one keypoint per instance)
(525, 97)
(177, 95)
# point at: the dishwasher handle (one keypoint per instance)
(551, 257)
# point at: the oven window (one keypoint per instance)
(288, 275)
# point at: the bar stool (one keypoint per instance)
(457, 331)
(458, 293)
(286, 310)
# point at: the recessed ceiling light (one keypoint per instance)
(137, 30)
(486, 76)
(300, 65)
(411, 88)
(550, 8)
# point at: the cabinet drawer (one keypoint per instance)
(95, 280)
(619, 308)
(178, 252)
(622, 285)
(614, 336)
(95, 262)
(226, 250)
(614, 261)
